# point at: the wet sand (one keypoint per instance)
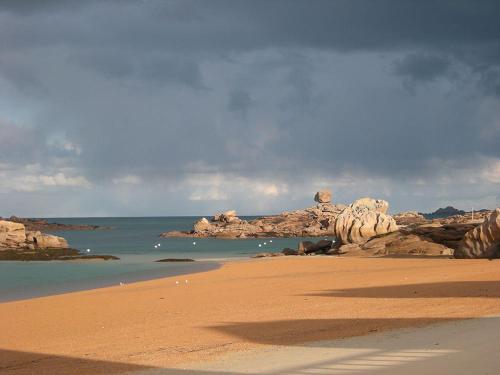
(245, 305)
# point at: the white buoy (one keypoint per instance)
(159, 244)
(156, 246)
(265, 243)
(88, 250)
(260, 245)
(270, 240)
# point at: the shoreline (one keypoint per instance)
(75, 286)
(247, 304)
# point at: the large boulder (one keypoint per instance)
(12, 235)
(358, 223)
(378, 205)
(323, 196)
(202, 225)
(483, 241)
(46, 241)
(226, 217)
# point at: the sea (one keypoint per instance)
(136, 241)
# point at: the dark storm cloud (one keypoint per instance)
(422, 67)
(261, 89)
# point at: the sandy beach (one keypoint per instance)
(245, 305)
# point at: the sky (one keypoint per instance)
(158, 108)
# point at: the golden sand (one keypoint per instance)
(244, 304)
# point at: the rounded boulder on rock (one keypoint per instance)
(323, 196)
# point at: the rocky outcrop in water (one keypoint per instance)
(14, 236)
(46, 226)
(16, 243)
(358, 222)
(482, 241)
(314, 221)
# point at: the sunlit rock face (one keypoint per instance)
(483, 241)
(14, 236)
(360, 223)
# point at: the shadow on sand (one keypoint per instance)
(296, 332)
(370, 355)
(455, 289)
(20, 363)
(356, 357)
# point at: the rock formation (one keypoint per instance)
(202, 225)
(323, 196)
(396, 243)
(17, 243)
(364, 228)
(14, 236)
(358, 223)
(44, 225)
(482, 241)
(314, 221)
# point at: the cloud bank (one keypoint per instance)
(188, 107)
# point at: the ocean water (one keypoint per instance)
(133, 240)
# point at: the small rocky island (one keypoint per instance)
(363, 228)
(32, 224)
(18, 243)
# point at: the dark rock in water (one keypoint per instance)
(306, 247)
(310, 248)
(320, 247)
(288, 251)
(32, 224)
(323, 245)
(176, 260)
(49, 254)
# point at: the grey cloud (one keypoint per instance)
(422, 67)
(148, 70)
(20, 76)
(239, 101)
(267, 90)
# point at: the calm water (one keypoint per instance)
(133, 241)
